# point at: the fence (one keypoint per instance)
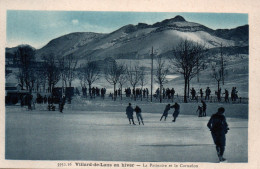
(176, 98)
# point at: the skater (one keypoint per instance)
(219, 128)
(129, 113)
(200, 111)
(176, 112)
(139, 115)
(165, 113)
(62, 103)
(204, 108)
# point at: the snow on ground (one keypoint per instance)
(90, 130)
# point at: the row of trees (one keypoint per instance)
(188, 59)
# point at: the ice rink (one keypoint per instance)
(107, 136)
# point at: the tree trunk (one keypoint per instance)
(114, 92)
(160, 93)
(90, 90)
(188, 88)
(121, 94)
(218, 84)
(134, 93)
(185, 90)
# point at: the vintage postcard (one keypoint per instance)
(128, 84)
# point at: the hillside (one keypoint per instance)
(131, 41)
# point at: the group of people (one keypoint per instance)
(202, 109)
(175, 114)
(137, 92)
(166, 93)
(201, 93)
(50, 100)
(93, 92)
(218, 93)
(234, 95)
(217, 123)
(130, 113)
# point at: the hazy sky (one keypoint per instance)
(37, 28)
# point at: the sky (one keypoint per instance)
(37, 28)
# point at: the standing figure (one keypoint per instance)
(208, 91)
(200, 111)
(29, 101)
(176, 112)
(165, 113)
(226, 95)
(201, 93)
(129, 113)
(62, 103)
(193, 93)
(139, 115)
(204, 108)
(219, 128)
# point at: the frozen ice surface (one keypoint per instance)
(107, 136)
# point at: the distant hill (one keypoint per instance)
(132, 41)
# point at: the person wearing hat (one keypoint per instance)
(219, 128)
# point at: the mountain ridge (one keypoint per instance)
(132, 40)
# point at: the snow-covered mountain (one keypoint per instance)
(131, 41)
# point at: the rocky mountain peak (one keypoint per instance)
(178, 18)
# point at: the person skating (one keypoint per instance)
(176, 112)
(139, 115)
(129, 113)
(219, 128)
(165, 113)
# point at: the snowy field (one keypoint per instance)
(88, 131)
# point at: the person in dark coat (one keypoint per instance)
(165, 113)
(219, 128)
(139, 115)
(29, 100)
(62, 103)
(226, 95)
(176, 112)
(204, 108)
(200, 111)
(129, 113)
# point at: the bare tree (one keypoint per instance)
(216, 74)
(134, 75)
(113, 73)
(161, 73)
(68, 66)
(223, 65)
(142, 79)
(122, 80)
(187, 59)
(89, 72)
(52, 71)
(26, 75)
